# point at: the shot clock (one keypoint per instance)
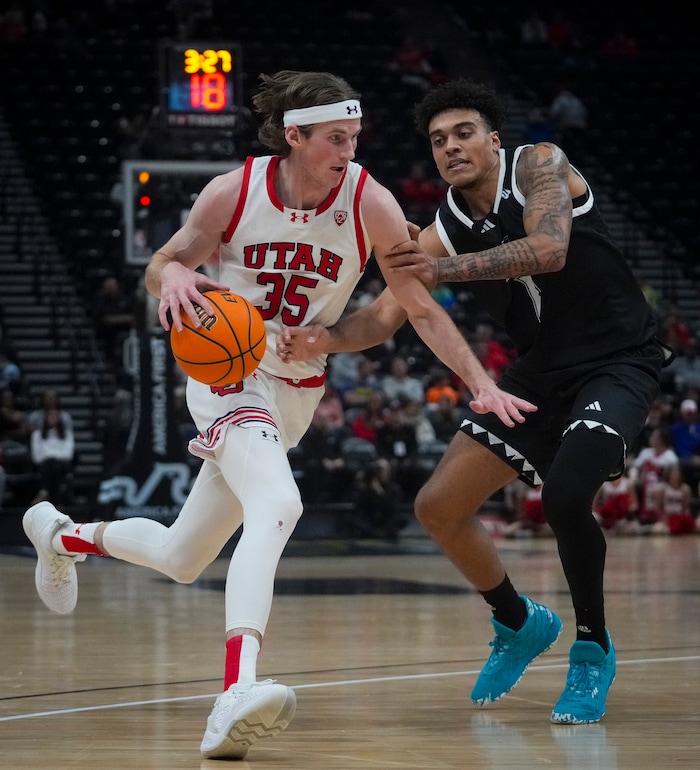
(200, 84)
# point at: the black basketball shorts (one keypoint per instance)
(613, 395)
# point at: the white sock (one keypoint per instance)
(250, 648)
(74, 538)
(241, 660)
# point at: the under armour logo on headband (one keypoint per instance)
(322, 113)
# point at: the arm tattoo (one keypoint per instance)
(542, 176)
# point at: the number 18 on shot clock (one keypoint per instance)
(200, 83)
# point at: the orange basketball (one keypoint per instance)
(227, 347)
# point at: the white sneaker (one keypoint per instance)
(245, 713)
(55, 576)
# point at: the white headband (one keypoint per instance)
(322, 113)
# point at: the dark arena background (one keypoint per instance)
(112, 117)
(112, 120)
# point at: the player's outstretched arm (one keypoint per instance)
(364, 328)
(386, 225)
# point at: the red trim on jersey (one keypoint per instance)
(308, 382)
(270, 182)
(238, 211)
(277, 203)
(358, 221)
(334, 194)
(233, 661)
(242, 416)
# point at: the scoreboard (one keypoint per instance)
(200, 84)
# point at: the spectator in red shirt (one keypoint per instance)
(419, 190)
(410, 60)
(675, 332)
(560, 31)
(367, 424)
(493, 356)
(621, 46)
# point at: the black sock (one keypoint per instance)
(590, 627)
(508, 608)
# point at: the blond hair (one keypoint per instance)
(292, 90)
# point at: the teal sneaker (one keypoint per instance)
(591, 673)
(513, 651)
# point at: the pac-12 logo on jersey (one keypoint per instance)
(340, 217)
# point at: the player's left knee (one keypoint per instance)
(564, 498)
(585, 460)
(280, 514)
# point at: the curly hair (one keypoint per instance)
(291, 90)
(460, 94)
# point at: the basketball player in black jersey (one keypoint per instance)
(522, 227)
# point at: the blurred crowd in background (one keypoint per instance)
(389, 412)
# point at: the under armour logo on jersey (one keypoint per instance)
(340, 217)
(295, 216)
(270, 435)
(594, 406)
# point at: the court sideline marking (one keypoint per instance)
(339, 683)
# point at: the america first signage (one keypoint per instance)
(153, 478)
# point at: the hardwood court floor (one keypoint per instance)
(382, 649)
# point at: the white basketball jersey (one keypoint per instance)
(297, 267)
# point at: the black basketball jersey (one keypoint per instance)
(590, 309)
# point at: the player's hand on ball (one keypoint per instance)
(180, 290)
(226, 346)
(302, 343)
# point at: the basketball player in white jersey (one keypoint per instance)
(293, 232)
